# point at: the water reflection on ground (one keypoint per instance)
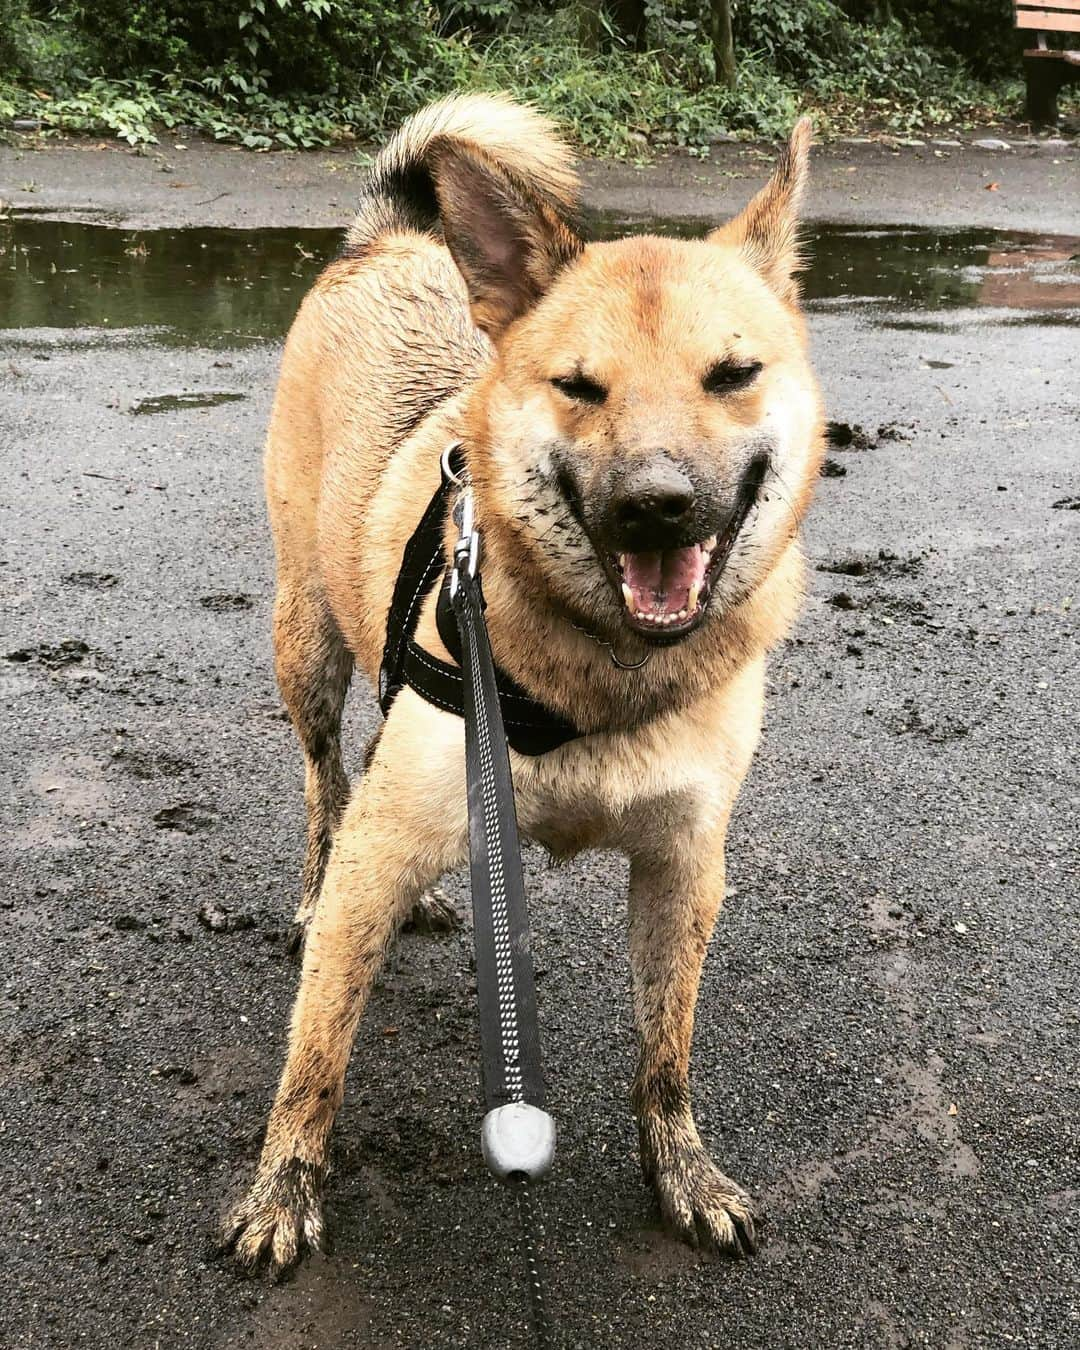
(223, 287)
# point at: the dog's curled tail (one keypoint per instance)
(518, 142)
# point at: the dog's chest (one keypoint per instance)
(612, 792)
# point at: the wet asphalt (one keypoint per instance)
(886, 1049)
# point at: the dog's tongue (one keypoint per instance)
(661, 583)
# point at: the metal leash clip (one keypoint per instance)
(467, 548)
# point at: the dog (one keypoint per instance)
(642, 431)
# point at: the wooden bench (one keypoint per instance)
(1047, 68)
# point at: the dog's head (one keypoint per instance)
(650, 429)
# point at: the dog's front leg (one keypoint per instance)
(675, 895)
(404, 826)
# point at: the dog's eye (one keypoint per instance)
(727, 377)
(580, 388)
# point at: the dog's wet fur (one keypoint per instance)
(643, 431)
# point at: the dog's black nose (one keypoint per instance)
(650, 502)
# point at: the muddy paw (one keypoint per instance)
(278, 1220)
(434, 912)
(704, 1207)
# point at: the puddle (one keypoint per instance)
(909, 268)
(213, 287)
(217, 287)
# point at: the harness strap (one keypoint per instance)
(531, 728)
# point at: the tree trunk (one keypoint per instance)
(628, 19)
(722, 44)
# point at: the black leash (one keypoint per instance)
(518, 1136)
(529, 1223)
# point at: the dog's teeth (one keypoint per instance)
(621, 559)
(692, 599)
(709, 544)
(628, 596)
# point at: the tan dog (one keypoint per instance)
(643, 432)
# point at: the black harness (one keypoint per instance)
(531, 728)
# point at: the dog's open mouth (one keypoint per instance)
(665, 594)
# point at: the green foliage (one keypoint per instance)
(615, 100)
(980, 31)
(281, 45)
(15, 37)
(876, 65)
(297, 73)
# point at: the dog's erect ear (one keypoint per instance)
(508, 248)
(767, 230)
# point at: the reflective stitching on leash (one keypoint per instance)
(500, 915)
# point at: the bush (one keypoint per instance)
(304, 72)
(14, 37)
(613, 99)
(979, 31)
(281, 45)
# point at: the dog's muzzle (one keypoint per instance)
(664, 544)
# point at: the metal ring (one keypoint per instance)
(444, 464)
(622, 664)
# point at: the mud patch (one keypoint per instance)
(322, 1305)
(912, 722)
(186, 817)
(70, 652)
(849, 436)
(90, 581)
(653, 1255)
(854, 436)
(165, 403)
(150, 764)
(936, 1119)
(222, 602)
(220, 920)
(869, 564)
(73, 786)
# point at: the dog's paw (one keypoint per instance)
(278, 1220)
(701, 1205)
(434, 912)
